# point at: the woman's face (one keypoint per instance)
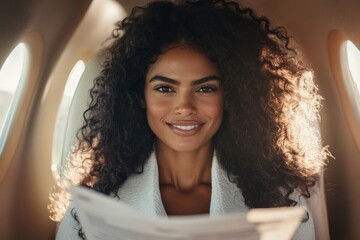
(184, 99)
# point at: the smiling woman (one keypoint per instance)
(184, 107)
(202, 99)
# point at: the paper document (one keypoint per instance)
(103, 217)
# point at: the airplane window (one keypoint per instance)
(344, 59)
(70, 87)
(10, 75)
(353, 57)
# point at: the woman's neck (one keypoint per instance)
(184, 170)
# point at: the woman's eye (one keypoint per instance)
(206, 89)
(164, 89)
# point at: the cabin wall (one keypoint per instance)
(22, 202)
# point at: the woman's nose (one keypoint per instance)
(185, 105)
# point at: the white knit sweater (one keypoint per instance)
(141, 191)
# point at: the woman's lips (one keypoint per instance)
(185, 128)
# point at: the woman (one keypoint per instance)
(201, 108)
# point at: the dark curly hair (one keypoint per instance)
(267, 142)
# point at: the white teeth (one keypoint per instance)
(187, 128)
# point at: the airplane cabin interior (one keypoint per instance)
(46, 46)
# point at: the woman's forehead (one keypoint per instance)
(182, 62)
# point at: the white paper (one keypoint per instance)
(103, 217)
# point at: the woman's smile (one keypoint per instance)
(186, 128)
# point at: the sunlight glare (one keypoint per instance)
(10, 72)
(353, 56)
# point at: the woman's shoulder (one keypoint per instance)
(68, 228)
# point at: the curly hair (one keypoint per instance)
(267, 141)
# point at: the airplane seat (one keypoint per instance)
(79, 103)
(318, 208)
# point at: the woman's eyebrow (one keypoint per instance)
(176, 82)
(205, 79)
(164, 79)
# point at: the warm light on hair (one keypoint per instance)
(78, 166)
(300, 104)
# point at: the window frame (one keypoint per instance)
(15, 122)
(337, 49)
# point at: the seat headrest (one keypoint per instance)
(80, 103)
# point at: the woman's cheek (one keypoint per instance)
(156, 111)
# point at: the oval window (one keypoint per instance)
(344, 59)
(10, 75)
(353, 59)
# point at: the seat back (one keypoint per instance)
(79, 104)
